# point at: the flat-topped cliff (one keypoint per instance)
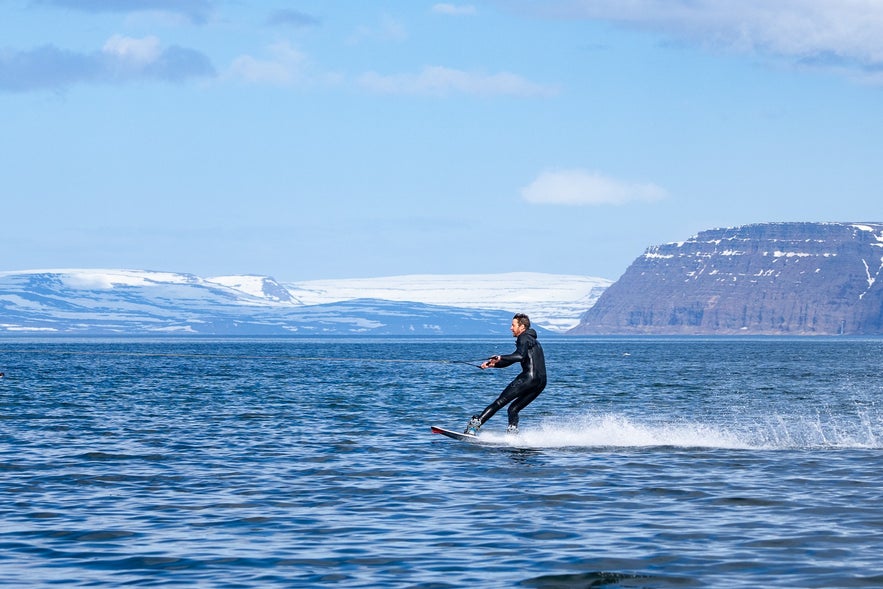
(770, 278)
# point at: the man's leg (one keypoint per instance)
(511, 392)
(521, 402)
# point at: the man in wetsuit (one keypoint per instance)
(526, 386)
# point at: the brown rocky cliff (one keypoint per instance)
(771, 278)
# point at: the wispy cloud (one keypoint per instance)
(292, 18)
(196, 11)
(454, 9)
(829, 34)
(131, 53)
(581, 187)
(443, 81)
(284, 65)
(122, 59)
(389, 29)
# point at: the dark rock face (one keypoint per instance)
(771, 278)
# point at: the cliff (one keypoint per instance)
(771, 278)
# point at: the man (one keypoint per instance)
(526, 386)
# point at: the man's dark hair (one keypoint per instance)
(522, 319)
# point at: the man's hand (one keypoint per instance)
(490, 362)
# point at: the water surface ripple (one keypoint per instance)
(307, 463)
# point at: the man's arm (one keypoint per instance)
(509, 359)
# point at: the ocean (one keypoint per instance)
(647, 462)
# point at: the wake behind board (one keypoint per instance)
(454, 435)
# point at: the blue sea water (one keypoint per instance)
(647, 462)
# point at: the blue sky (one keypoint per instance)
(338, 139)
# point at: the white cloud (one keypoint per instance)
(442, 81)
(833, 34)
(389, 29)
(454, 9)
(138, 52)
(195, 11)
(120, 60)
(123, 58)
(285, 65)
(581, 187)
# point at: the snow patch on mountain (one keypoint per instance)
(260, 287)
(107, 279)
(140, 301)
(553, 301)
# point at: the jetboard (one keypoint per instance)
(454, 435)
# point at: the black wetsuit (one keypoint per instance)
(526, 385)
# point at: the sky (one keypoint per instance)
(324, 139)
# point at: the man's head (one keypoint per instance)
(520, 324)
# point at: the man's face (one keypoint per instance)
(517, 328)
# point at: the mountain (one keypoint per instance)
(553, 301)
(770, 278)
(138, 302)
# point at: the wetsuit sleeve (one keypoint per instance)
(517, 356)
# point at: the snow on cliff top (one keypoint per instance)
(458, 290)
(249, 284)
(555, 301)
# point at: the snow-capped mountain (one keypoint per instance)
(553, 301)
(90, 302)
